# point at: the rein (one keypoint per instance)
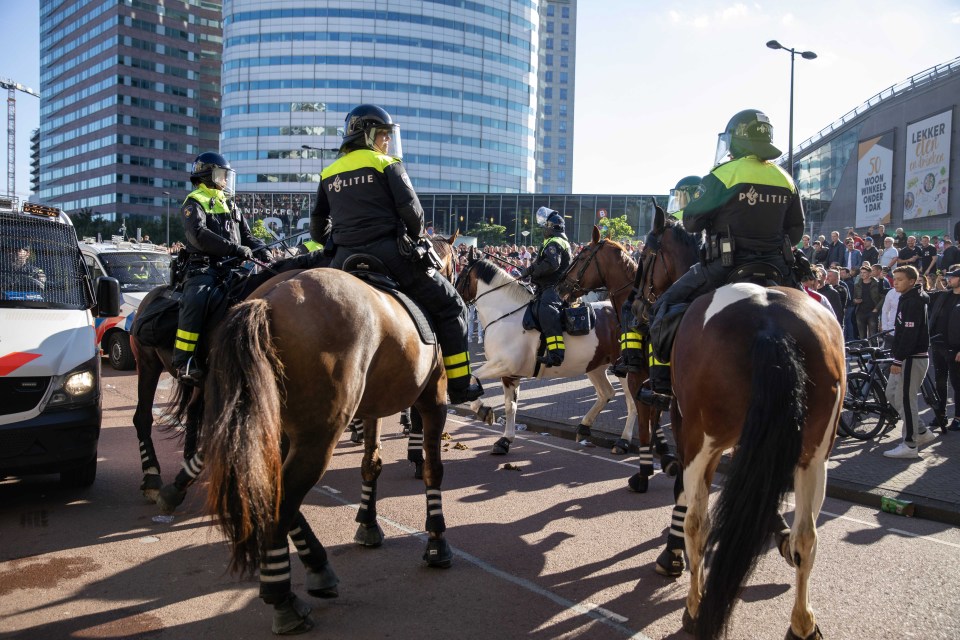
(577, 290)
(466, 273)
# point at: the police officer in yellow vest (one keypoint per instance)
(631, 337)
(215, 232)
(545, 274)
(751, 212)
(367, 204)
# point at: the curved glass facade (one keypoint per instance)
(460, 78)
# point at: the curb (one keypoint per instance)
(924, 508)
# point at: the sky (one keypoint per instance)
(658, 80)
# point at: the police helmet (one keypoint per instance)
(371, 127)
(213, 170)
(682, 194)
(550, 221)
(749, 133)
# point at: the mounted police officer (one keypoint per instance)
(366, 204)
(551, 264)
(631, 338)
(751, 212)
(216, 233)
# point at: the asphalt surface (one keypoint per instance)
(858, 471)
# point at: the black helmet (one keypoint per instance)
(213, 170)
(748, 133)
(360, 129)
(550, 221)
(682, 194)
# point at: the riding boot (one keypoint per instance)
(462, 386)
(555, 352)
(630, 361)
(660, 392)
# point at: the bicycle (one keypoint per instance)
(866, 411)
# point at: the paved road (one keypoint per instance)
(556, 549)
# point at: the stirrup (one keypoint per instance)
(190, 373)
(471, 392)
(654, 399)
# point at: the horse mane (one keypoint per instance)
(625, 256)
(684, 237)
(494, 276)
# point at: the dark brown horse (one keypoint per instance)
(605, 264)
(300, 358)
(762, 370)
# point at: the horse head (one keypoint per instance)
(602, 264)
(669, 251)
(466, 281)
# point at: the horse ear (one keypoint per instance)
(595, 236)
(472, 255)
(453, 238)
(659, 220)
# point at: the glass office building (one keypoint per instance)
(289, 213)
(130, 94)
(459, 77)
(556, 88)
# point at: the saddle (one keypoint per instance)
(577, 320)
(372, 271)
(759, 273)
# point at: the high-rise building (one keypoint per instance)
(459, 77)
(555, 78)
(130, 94)
(35, 161)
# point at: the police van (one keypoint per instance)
(139, 268)
(49, 363)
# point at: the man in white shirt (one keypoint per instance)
(890, 254)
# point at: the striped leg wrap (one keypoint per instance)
(275, 575)
(415, 447)
(646, 462)
(660, 441)
(676, 527)
(368, 503)
(148, 457)
(311, 552)
(191, 469)
(435, 521)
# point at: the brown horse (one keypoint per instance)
(301, 357)
(605, 264)
(762, 370)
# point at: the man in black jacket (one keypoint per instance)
(835, 293)
(945, 345)
(870, 253)
(911, 344)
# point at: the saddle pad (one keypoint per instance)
(420, 319)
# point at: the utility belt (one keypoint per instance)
(723, 246)
(419, 251)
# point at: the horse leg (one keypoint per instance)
(511, 395)
(696, 526)
(415, 443)
(405, 421)
(809, 487)
(622, 446)
(432, 407)
(601, 384)
(668, 461)
(356, 431)
(148, 375)
(640, 481)
(321, 580)
(369, 533)
(670, 561)
(172, 495)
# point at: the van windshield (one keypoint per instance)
(137, 271)
(41, 265)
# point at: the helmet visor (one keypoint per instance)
(543, 215)
(723, 149)
(224, 179)
(385, 139)
(679, 199)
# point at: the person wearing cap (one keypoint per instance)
(945, 345)
(910, 352)
(870, 253)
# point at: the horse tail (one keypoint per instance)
(759, 475)
(241, 434)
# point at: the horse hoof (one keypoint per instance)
(356, 437)
(620, 448)
(322, 583)
(583, 432)
(418, 470)
(669, 465)
(501, 447)
(689, 622)
(638, 483)
(438, 554)
(151, 486)
(291, 617)
(369, 535)
(670, 563)
(782, 540)
(815, 635)
(486, 415)
(169, 498)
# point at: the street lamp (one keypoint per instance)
(806, 55)
(167, 193)
(308, 147)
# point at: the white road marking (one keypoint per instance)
(589, 609)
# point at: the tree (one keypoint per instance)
(488, 234)
(259, 230)
(616, 228)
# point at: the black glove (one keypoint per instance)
(525, 272)
(243, 252)
(263, 255)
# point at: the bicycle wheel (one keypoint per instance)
(928, 389)
(865, 408)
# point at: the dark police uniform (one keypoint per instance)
(215, 230)
(551, 265)
(364, 203)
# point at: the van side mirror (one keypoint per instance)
(108, 297)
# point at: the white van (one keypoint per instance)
(49, 363)
(139, 268)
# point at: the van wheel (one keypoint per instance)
(120, 352)
(80, 477)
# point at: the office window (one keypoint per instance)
(549, 26)
(548, 109)
(564, 61)
(547, 142)
(564, 77)
(549, 43)
(551, 10)
(564, 45)
(548, 125)
(548, 59)
(565, 12)
(565, 29)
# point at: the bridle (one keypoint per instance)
(466, 274)
(576, 289)
(648, 260)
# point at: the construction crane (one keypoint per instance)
(12, 88)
